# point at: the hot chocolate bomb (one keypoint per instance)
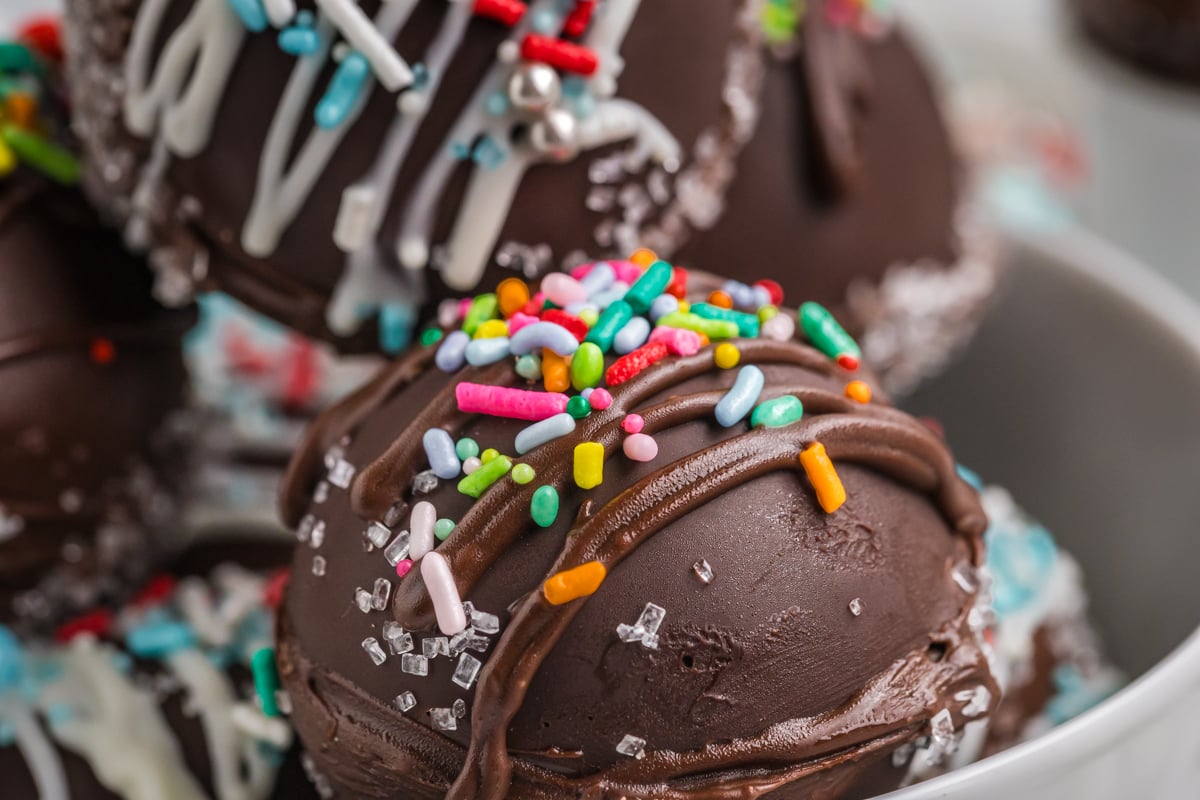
(307, 166)
(687, 619)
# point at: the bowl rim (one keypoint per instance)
(1086, 257)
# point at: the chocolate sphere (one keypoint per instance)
(808, 144)
(92, 370)
(1159, 36)
(702, 618)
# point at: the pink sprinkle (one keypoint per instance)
(447, 602)
(633, 423)
(563, 290)
(600, 399)
(627, 271)
(641, 447)
(520, 320)
(499, 401)
(583, 270)
(464, 305)
(679, 342)
(404, 567)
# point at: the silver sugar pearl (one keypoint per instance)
(555, 133)
(534, 88)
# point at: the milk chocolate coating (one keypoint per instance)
(81, 429)
(763, 684)
(848, 171)
(1159, 36)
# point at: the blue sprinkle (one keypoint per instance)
(159, 639)
(12, 666)
(760, 297)
(578, 308)
(420, 76)
(1020, 562)
(482, 352)
(601, 278)
(632, 336)
(395, 327)
(460, 151)
(573, 86)
(662, 305)
(546, 22)
(971, 477)
(251, 13)
(451, 354)
(586, 394)
(529, 367)
(497, 104)
(584, 107)
(741, 397)
(59, 714)
(547, 430)
(540, 335)
(610, 295)
(489, 153)
(344, 90)
(299, 41)
(439, 449)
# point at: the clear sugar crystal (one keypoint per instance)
(381, 595)
(477, 642)
(977, 701)
(651, 618)
(485, 622)
(377, 535)
(371, 646)
(443, 719)
(318, 566)
(435, 646)
(943, 741)
(399, 641)
(458, 643)
(305, 528)
(341, 474)
(321, 493)
(459, 708)
(425, 482)
(632, 746)
(318, 535)
(964, 575)
(406, 701)
(397, 551)
(646, 628)
(856, 606)
(363, 599)
(703, 570)
(467, 670)
(414, 665)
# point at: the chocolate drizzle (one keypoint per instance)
(786, 754)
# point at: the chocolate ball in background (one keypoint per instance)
(93, 373)
(320, 192)
(156, 698)
(1161, 37)
(738, 636)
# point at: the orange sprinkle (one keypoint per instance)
(555, 372)
(720, 299)
(643, 257)
(102, 351)
(21, 109)
(858, 391)
(573, 584)
(513, 294)
(824, 478)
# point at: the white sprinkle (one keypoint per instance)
(391, 70)
(471, 464)
(703, 570)
(397, 551)
(318, 567)
(421, 522)
(443, 719)
(459, 708)
(406, 701)
(257, 725)
(382, 593)
(977, 701)
(856, 606)
(353, 226)
(632, 746)
(371, 645)
(341, 474)
(363, 599)
(414, 665)
(280, 12)
(447, 602)
(467, 670)
(377, 534)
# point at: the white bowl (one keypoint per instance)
(1081, 394)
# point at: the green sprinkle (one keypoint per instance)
(466, 447)
(16, 57)
(747, 323)
(767, 312)
(483, 308)
(42, 154)
(523, 474)
(544, 506)
(653, 282)
(579, 407)
(825, 333)
(489, 455)
(431, 336)
(529, 367)
(478, 481)
(587, 366)
(443, 528)
(777, 413)
(266, 680)
(712, 328)
(609, 323)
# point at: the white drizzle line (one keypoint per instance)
(43, 760)
(390, 69)
(280, 12)
(118, 728)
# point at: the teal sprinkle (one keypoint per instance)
(395, 327)
(443, 528)
(497, 104)
(299, 41)
(345, 89)
(466, 448)
(251, 13)
(489, 153)
(153, 640)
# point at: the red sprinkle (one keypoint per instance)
(102, 351)
(98, 623)
(630, 365)
(559, 54)
(302, 374)
(678, 286)
(535, 306)
(579, 18)
(574, 324)
(43, 34)
(156, 590)
(773, 289)
(275, 586)
(848, 362)
(507, 11)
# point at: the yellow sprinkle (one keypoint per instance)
(685, 306)
(643, 257)
(489, 455)
(492, 329)
(767, 312)
(858, 391)
(8, 159)
(589, 465)
(824, 478)
(589, 316)
(554, 371)
(573, 584)
(726, 356)
(513, 294)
